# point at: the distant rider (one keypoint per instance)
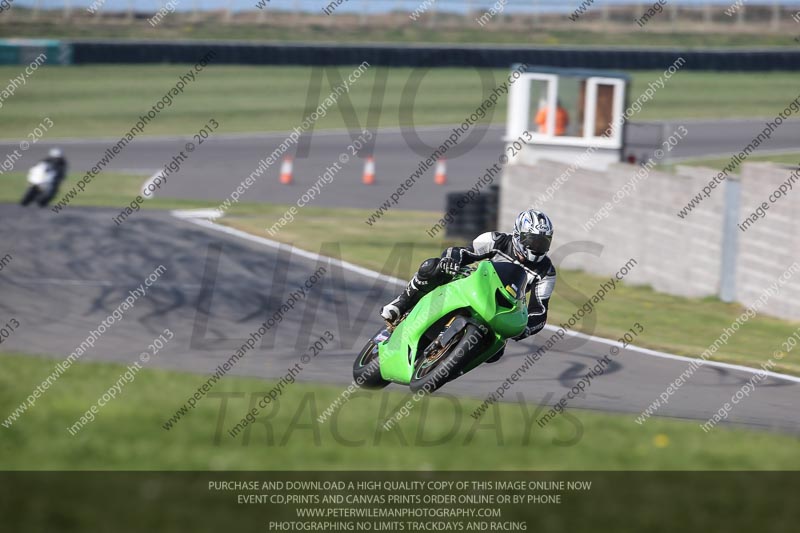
(45, 178)
(529, 244)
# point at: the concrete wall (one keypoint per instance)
(675, 256)
(770, 245)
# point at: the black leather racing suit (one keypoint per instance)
(540, 284)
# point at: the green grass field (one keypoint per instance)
(106, 101)
(791, 159)
(108, 190)
(127, 433)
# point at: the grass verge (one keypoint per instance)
(107, 190)
(274, 98)
(791, 159)
(127, 433)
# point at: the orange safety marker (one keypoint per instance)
(440, 178)
(369, 171)
(287, 170)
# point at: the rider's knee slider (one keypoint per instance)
(428, 269)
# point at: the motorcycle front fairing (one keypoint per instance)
(486, 297)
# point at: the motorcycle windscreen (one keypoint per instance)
(513, 277)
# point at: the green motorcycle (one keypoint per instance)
(452, 329)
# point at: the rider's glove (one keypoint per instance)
(450, 261)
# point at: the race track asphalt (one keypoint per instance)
(70, 271)
(220, 164)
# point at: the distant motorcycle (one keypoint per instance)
(42, 181)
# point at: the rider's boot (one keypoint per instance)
(394, 310)
(425, 280)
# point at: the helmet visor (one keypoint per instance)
(536, 243)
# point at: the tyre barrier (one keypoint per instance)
(398, 55)
(473, 218)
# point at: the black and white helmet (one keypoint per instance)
(533, 231)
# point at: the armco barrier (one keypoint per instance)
(24, 51)
(391, 55)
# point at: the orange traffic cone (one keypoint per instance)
(440, 178)
(369, 171)
(287, 170)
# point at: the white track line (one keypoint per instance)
(94, 283)
(295, 251)
(397, 281)
(664, 355)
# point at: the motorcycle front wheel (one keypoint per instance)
(446, 363)
(366, 368)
